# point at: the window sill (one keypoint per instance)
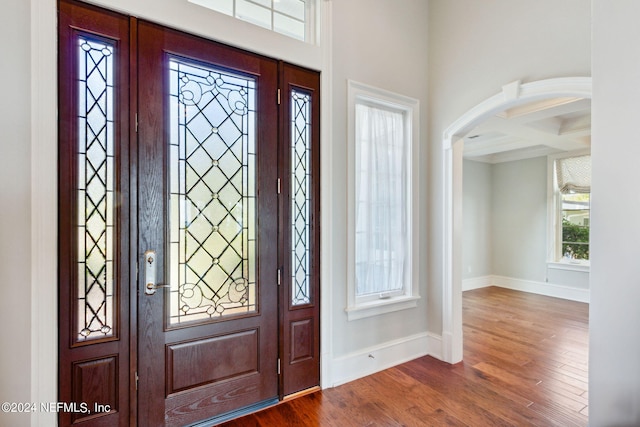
(583, 266)
(374, 308)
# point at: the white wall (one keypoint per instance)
(520, 219)
(614, 358)
(15, 205)
(570, 279)
(477, 232)
(476, 47)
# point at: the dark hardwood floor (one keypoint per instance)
(525, 363)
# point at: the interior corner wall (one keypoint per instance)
(614, 357)
(476, 47)
(15, 200)
(504, 231)
(504, 211)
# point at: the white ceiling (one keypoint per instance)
(538, 129)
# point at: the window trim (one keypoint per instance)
(359, 93)
(554, 217)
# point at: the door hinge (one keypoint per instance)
(278, 96)
(279, 186)
(279, 276)
(136, 381)
(278, 366)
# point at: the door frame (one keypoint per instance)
(310, 82)
(44, 168)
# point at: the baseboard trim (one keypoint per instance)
(435, 346)
(531, 286)
(543, 288)
(378, 358)
(477, 283)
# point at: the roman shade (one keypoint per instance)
(573, 174)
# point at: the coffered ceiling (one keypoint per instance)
(538, 129)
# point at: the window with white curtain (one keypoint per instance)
(381, 201)
(383, 134)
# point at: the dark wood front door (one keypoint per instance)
(208, 223)
(188, 223)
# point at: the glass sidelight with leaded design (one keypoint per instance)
(93, 215)
(301, 237)
(95, 188)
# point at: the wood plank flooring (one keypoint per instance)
(525, 363)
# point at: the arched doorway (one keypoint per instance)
(512, 95)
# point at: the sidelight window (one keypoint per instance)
(95, 184)
(300, 197)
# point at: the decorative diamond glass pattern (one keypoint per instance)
(95, 189)
(212, 209)
(300, 197)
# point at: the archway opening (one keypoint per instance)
(513, 95)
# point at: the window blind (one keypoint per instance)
(574, 174)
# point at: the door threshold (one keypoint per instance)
(253, 408)
(301, 393)
(219, 419)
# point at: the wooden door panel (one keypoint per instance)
(302, 339)
(94, 383)
(208, 207)
(218, 358)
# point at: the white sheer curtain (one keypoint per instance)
(381, 217)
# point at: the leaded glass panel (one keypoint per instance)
(300, 197)
(212, 209)
(95, 189)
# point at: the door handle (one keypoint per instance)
(150, 289)
(150, 273)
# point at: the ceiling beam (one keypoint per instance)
(547, 134)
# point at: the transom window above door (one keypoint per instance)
(292, 18)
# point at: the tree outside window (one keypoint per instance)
(575, 225)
